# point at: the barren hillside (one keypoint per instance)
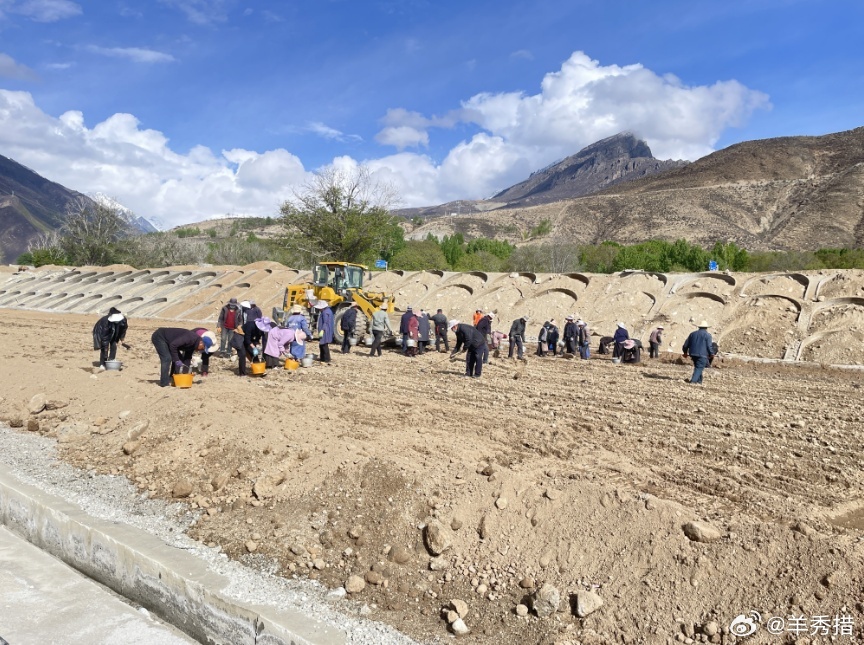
(794, 193)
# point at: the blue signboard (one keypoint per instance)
(712, 265)
(380, 264)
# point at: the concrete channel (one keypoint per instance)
(193, 589)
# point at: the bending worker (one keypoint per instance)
(176, 346)
(472, 340)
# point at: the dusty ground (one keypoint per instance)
(576, 474)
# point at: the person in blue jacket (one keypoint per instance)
(325, 330)
(698, 347)
(619, 337)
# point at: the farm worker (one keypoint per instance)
(553, 336)
(107, 332)
(484, 326)
(654, 342)
(348, 325)
(230, 317)
(247, 341)
(570, 334)
(413, 334)
(583, 339)
(297, 321)
(176, 346)
(698, 347)
(517, 335)
(254, 311)
(380, 324)
(440, 322)
(403, 328)
(472, 340)
(422, 331)
(325, 330)
(543, 339)
(278, 338)
(477, 316)
(619, 337)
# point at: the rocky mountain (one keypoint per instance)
(616, 159)
(788, 193)
(31, 205)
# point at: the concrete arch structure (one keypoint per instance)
(579, 277)
(747, 289)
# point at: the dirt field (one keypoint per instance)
(578, 475)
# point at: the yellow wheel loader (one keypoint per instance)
(341, 285)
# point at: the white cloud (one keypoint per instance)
(577, 105)
(522, 54)
(117, 157)
(136, 54)
(41, 10)
(326, 132)
(10, 69)
(402, 137)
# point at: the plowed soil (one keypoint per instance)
(579, 474)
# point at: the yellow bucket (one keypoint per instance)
(182, 380)
(258, 369)
(291, 364)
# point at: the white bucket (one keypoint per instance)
(307, 361)
(352, 340)
(411, 343)
(367, 341)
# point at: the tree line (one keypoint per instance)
(346, 216)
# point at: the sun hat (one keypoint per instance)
(704, 325)
(115, 317)
(622, 325)
(264, 324)
(232, 301)
(568, 317)
(321, 304)
(660, 327)
(409, 308)
(246, 304)
(252, 303)
(629, 344)
(452, 323)
(296, 309)
(580, 323)
(491, 315)
(209, 339)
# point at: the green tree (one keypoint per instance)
(419, 255)
(342, 215)
(730, 256)
(499, 248)
(453, 247)
(599, 258)
(479, 261)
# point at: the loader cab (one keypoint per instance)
(339, 276)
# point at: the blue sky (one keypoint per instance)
(189, 109)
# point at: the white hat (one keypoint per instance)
(321, 304)
(296, 309)
(622, 325)
(491, 315)
(452, 323)
(246, 304)
(660, 327)
(115, 317)
(703, 325)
